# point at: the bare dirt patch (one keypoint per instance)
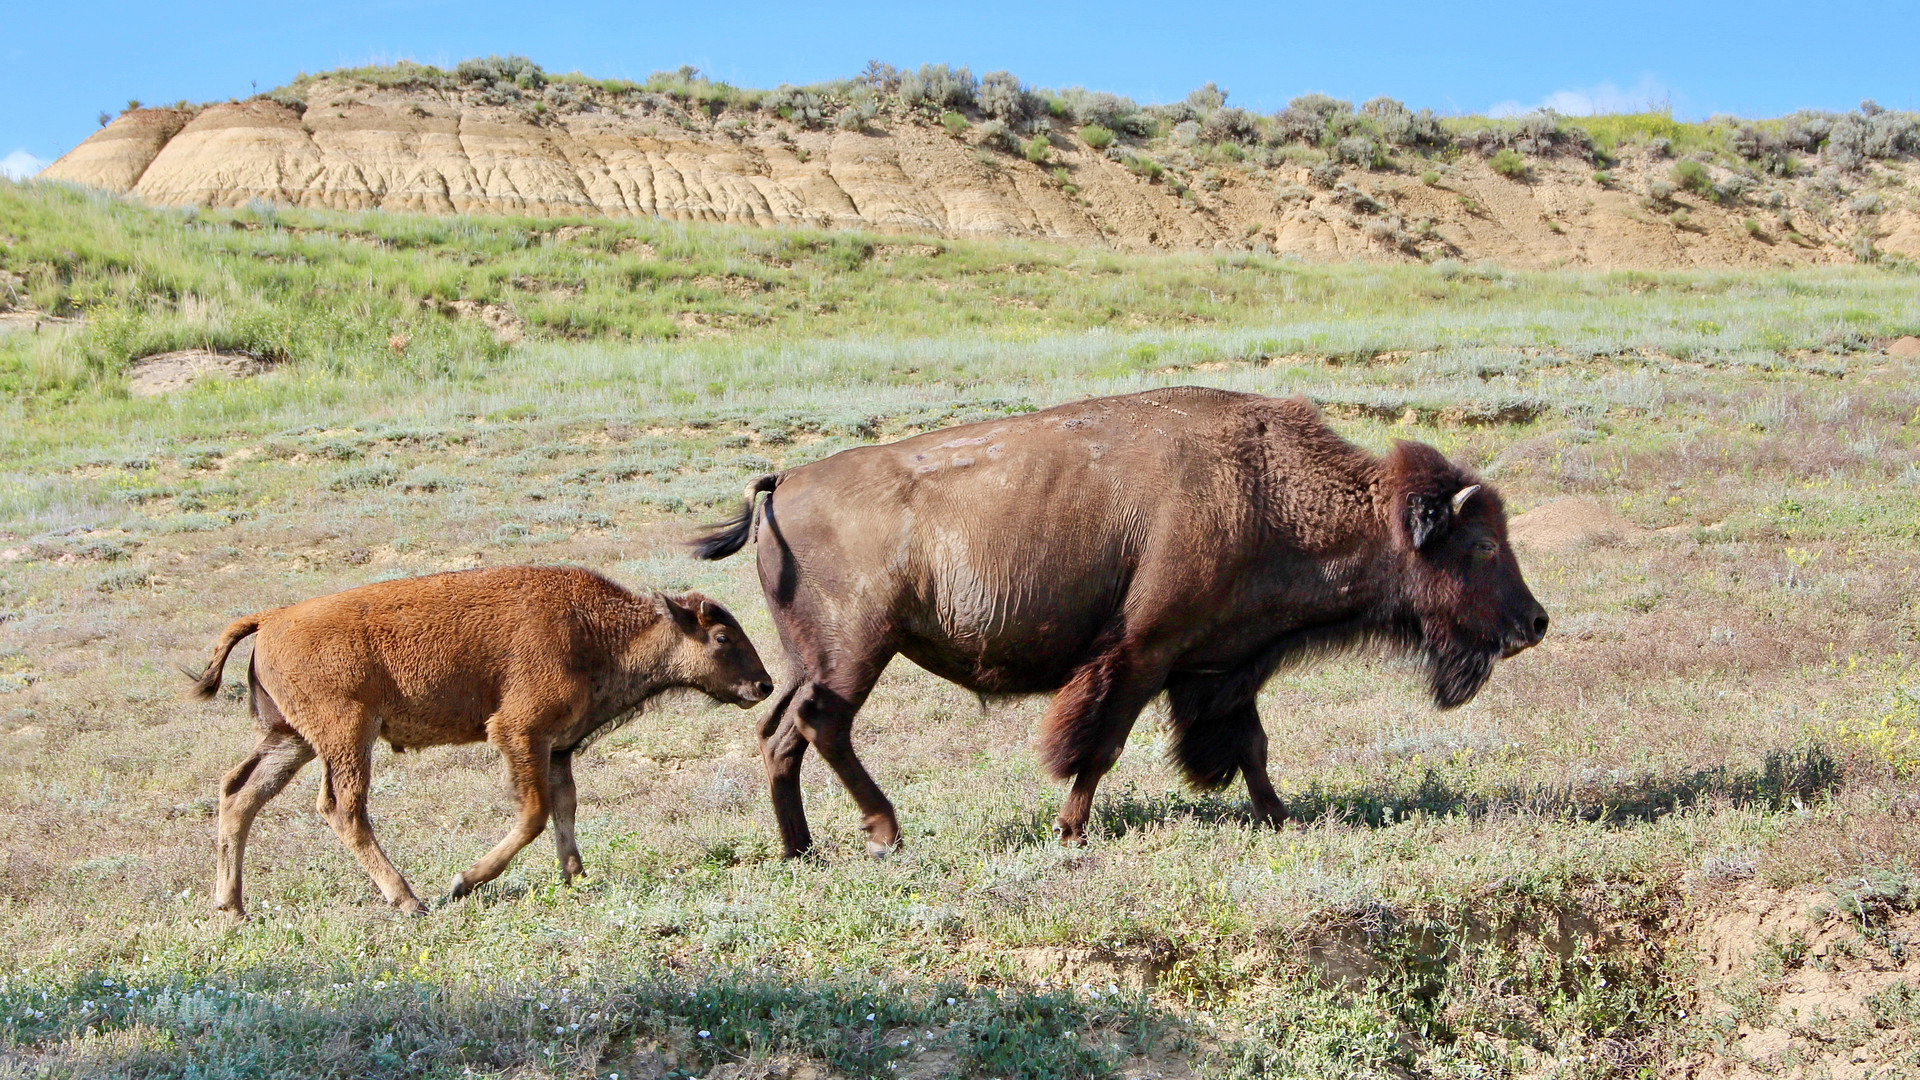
(163, 373)
(1567, 523)
(1811, 983)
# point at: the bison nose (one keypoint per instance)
(1539, 626)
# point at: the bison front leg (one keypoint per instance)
(1217, 733)
(1086, 727)
(1251, 742)
(565, 802)
(529, 769)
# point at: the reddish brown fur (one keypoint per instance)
(1185, 540)
(536, 660)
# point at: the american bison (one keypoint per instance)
(1186, 540)
(537, 660)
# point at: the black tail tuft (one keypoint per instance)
(728, 537)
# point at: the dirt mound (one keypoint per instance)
(166, 372)
(1906, 348)
(1812, 985)
(1568, 523)
(355, 146)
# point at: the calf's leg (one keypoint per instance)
(343, 803)
(529, 768)
(279, 754)
(565, 801)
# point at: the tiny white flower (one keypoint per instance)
(869, 1016)
(706, 1034)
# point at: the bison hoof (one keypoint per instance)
(232, 911)
(459, 888)
(879, 850)
(411, 906)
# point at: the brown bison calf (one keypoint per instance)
(537, 660)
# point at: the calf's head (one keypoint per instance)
(709, 652)
(1461, 581)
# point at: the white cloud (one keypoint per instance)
(1648, 93)
(21, 165)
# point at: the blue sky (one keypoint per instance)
(65, 63)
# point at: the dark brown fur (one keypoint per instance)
(534, 659)
(1187, 540)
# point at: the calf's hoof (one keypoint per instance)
(878, 850)
(459, 888)
(411, 906)
(233, 911)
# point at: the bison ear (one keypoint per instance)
(710, 613)
(672, 608)
(1426, 518)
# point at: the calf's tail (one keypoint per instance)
(722, 540)
(208, 683)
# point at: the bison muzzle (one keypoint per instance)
(1188, 541)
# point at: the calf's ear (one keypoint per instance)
(710, 613)
(673, 609)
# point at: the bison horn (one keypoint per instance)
(1460, 497)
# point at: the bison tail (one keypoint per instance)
(724, 539)
(208, 682)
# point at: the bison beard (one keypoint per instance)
(1457, 669)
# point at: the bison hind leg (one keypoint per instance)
(1075, 735)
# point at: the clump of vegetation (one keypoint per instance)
(497, 71)
(1096, 137)
(954, 122)
(1509, 163)
(1002, 96)
(1689, 174)
(1038, 149)
(938, 86)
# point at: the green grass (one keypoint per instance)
(1490, 892)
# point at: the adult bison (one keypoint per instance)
(1186, 540)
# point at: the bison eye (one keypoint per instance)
(721, 638)
(1486, 545)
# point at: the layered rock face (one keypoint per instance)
(355, 147)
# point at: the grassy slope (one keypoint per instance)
(1467, 892)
